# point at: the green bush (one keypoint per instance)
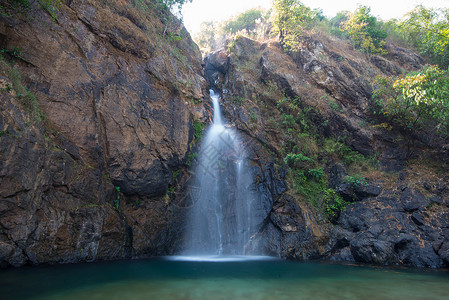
(427, 29)
(355, 180)
(338, 150)
(292, 159)
(417, 101)
(333, 204)
(311, 184)
(317, 173)
(364, 32)
(290, 19)
(198, 130)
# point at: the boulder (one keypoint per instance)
(413, 200)
(392, 230)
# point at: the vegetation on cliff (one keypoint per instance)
(330, 165)
(423, 29)
(414, 103)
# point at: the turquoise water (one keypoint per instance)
(254, 279)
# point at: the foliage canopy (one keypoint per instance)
(416, 101)
(245, 21)
(427, 29)
(290, 19)
(364, 32)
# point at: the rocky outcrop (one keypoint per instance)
(118, 85)
(53, 207)
(291, 232)
(397, 228)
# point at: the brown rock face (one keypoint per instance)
(117, 84)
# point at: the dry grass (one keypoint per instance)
(426, 170)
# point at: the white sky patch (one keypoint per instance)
(218, 10)
(385, 9)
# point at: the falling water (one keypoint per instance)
(220, 221)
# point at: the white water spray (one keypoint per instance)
(220, 220)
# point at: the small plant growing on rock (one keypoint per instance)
(317, 173)
(117, 199)
(292, 159)
(190, 158)
(27, 99)
(333, 204)
(198, 130)
(355, 180)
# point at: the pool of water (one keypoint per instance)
(179, 278)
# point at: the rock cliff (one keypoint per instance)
(117, 85)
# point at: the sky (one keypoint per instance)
(218, 10)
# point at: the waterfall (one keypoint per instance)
(220, 221)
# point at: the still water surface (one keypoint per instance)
(235, 279)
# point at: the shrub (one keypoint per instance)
(198, 130)
(333, 204)
(355, 180)
(364, 32)
(290, 19)
(292, 159)
(428, 30)
(417, 101)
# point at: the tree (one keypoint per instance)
(415, 102)
(337, 22)
(206, 38)
(363, 31)
(245, 21)
(290, 19)
(428, 30)
(175, 5)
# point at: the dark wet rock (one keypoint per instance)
(412, 251)
(418, 219)
(368, 249)
(363, 191)
(392, 231)
(412, 199)
(438, 188)
(291, 232)
(343, 255)
(356, 218)
(216, 66)
(346, 190)
(443, 250)
(218, 60)
(351, 193)
(336, 174)
(437, 200)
